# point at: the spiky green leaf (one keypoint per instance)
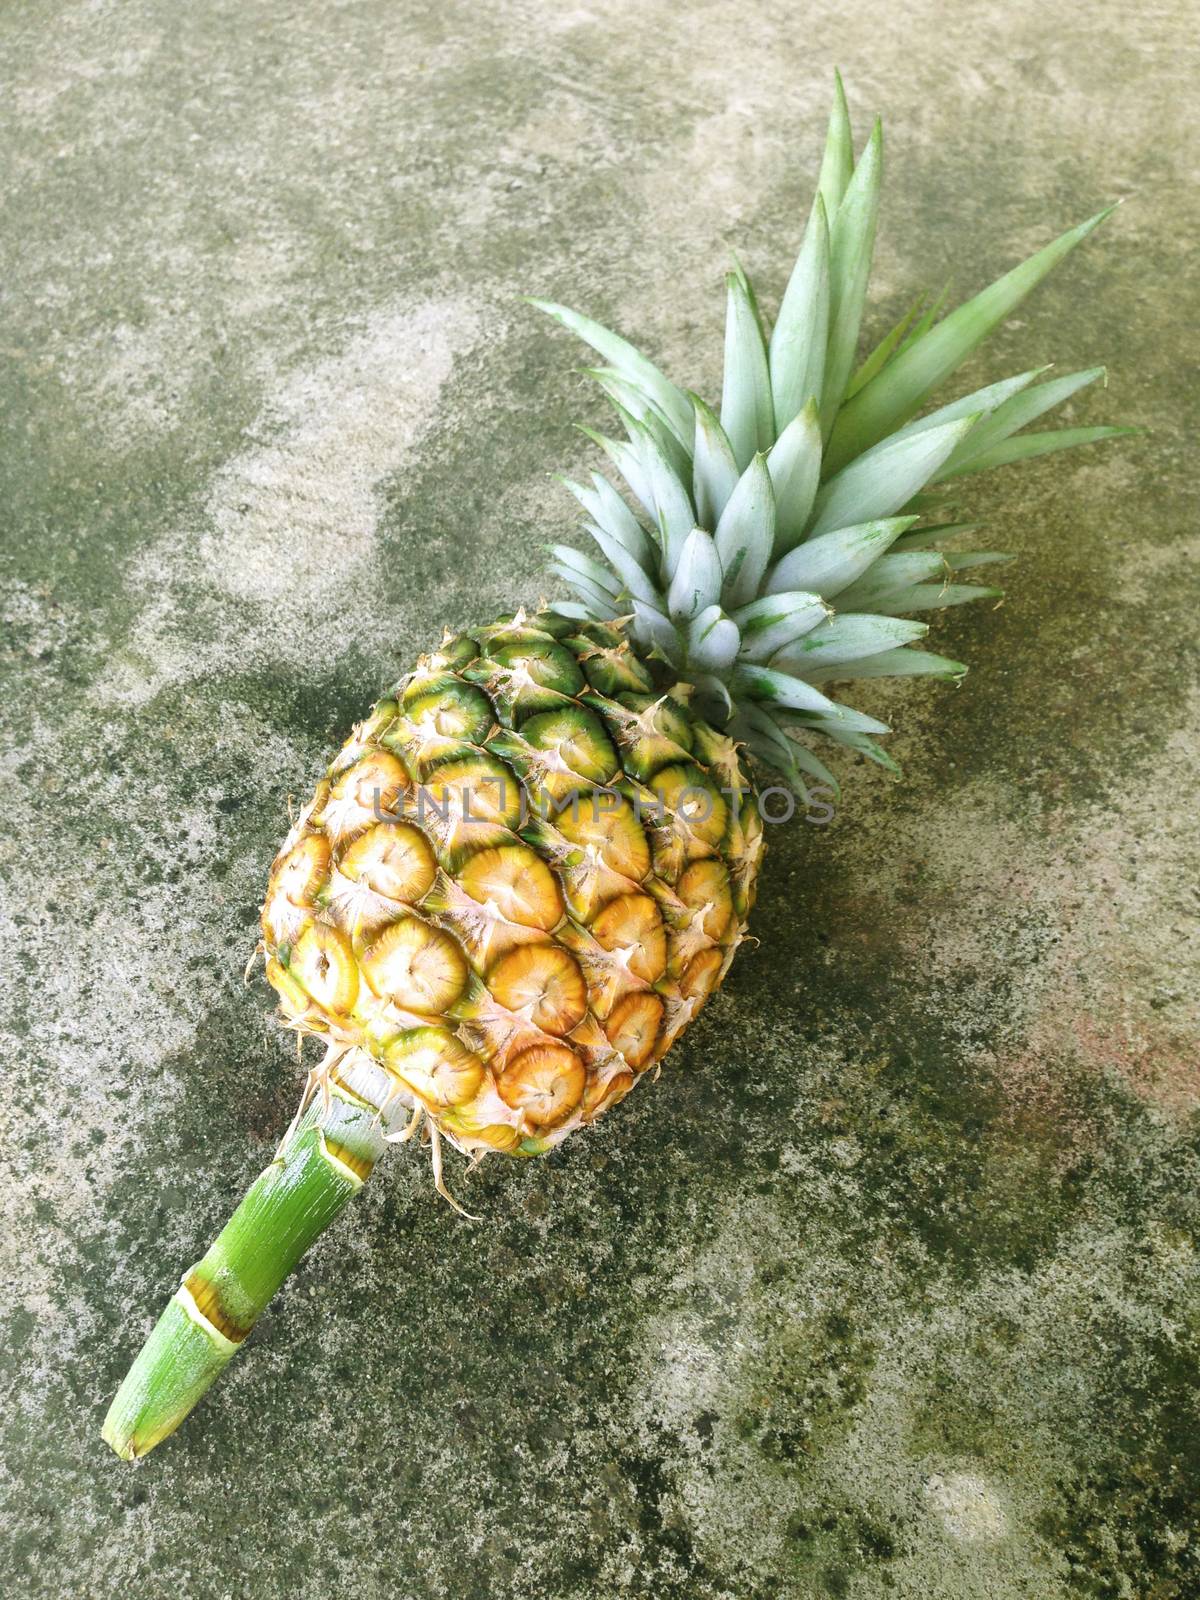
(851, 246)
(898, 663)
(886, 478)
(609, 512)
(619, 353)
(697, 581)
(837, 164)
(632, 576)
(795, 468)
(712, 641)
(899, 390)
(780, 689)
(714, 470)
(747, 415)
(769, 625)
(746, 534)
(630, 401)
(798, 343)
(979, 404)
(830, 563)
(1027, 446)
(653, 631)
(885, 349)
(845, 638)
(1015, 414)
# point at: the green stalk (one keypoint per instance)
(321, 1166)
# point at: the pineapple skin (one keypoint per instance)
(521, 878)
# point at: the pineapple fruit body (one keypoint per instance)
(522, 877)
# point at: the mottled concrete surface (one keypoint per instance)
(888, 1287)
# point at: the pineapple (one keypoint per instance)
(529, 868)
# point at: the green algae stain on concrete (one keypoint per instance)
(889, 1287)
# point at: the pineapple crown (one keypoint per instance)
(784, 544)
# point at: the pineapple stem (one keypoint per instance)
(321, 1165)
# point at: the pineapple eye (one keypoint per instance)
(704, 889)
(543, 982)
(322, 963)
(369, 789)
(294, 998)
(394, 859)
(517, 882)
(691, 806)
(613, 669)
(633, 1028)
(467, 1125)
(701, 977)
(416, 967)
(545, 1083)
(448, 708)
(436, 1066)
(302, 871)
(577, 738)
(549, 665)
(631, 923)
(607, 824)
(465, 794)
(600, 1095)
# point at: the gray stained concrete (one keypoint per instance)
(888, 1286)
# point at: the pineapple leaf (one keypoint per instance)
(898, 663)
(712, 641)
(746, 533)
(845, 720)
(606, 508)
(746, 412)
(797, 354)
(795, 468)
(697, 581)
(763, 732)
(712, 691)
(982, 403)
(896, 392)
(780, 689)
(597, 601)
(928, 317)
(652, 631)
(967, 560)
(769, 624)
(885, 349)
(865, 746)
(807, 762)
(577, 562)
(619, 353)
(626, 459)
(1016, 413)
(921, 538)
(631, 574)
(937, 596)
(887, 477)
(629, 401)
(837, 163)
(670, 503)
(846, 638)
(714, 471)
(851, 246)
(892, 572)
(743, 278)
(1025, 446)
(830, 563)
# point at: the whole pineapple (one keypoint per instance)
(531, 865)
